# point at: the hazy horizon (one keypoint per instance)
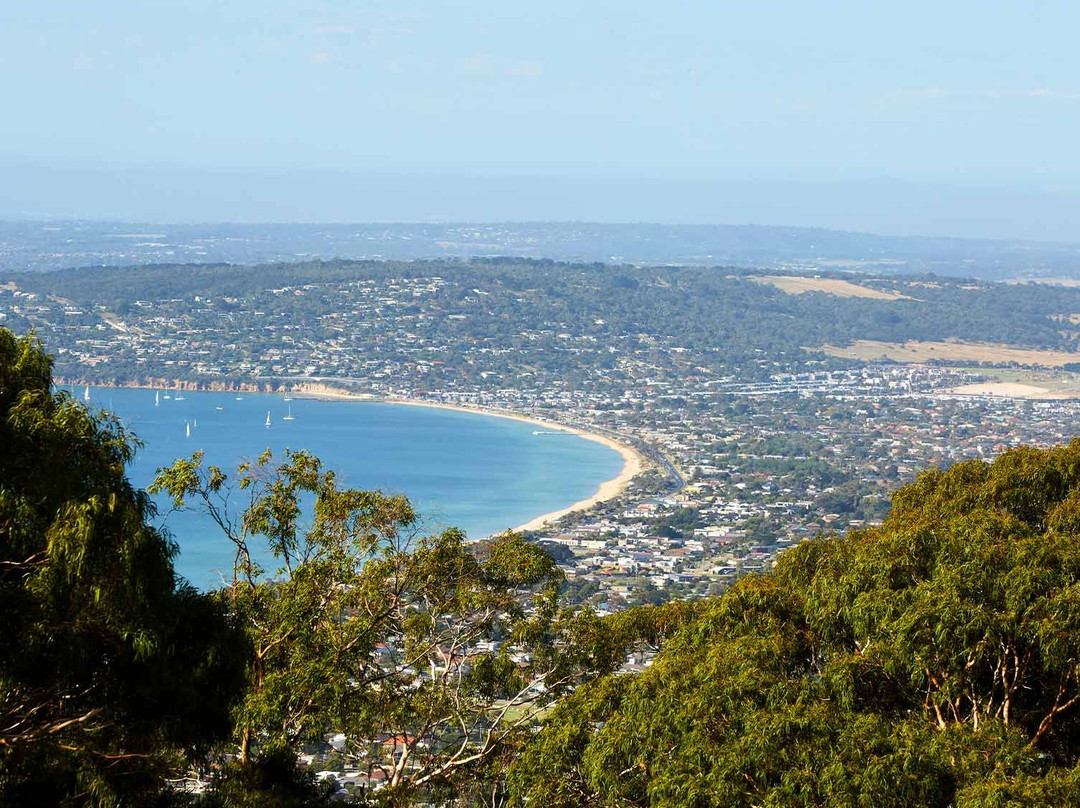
(922, 119)
(884, 206)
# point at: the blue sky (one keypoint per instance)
(959, 94)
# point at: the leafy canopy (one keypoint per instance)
(933, 660)
(110, 667)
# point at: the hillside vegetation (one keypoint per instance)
(468, 320)
(932, 661)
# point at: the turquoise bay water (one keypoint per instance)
(476, 472)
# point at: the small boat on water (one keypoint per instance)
(86, 393)
(157, 398)
(268, 418)
(179, 396)
(288, 417)
(187, 429)
(287, 397)
(219, 407)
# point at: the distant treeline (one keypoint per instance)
(32, 246)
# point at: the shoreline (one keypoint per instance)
(633, 461)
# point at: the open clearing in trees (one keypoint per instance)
(953, 351)
(796, 285)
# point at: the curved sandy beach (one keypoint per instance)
(633, 461)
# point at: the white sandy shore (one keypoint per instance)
(633, 461)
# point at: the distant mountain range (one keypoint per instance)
(51, 245)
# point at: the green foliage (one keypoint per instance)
(110, 668)
(431, 656)
(271, 780)
(933, 660)
(679, 524)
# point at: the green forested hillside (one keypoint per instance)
(711, 306)
(572, 320)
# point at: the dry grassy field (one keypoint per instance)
(797, 285)
(1050, 383)
(1013, 390)
(952, 351)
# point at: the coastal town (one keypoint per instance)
(749, 472)
(539, 405)
(724, 468)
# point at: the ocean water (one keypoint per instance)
(476, 472)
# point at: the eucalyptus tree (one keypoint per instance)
(432, 657)
(111, 668)
(967, 600)
(932, 660)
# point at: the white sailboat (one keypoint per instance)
(289, 417)
(287, 397)
(179, 396)
(86, 393)
(157, 398)
(196, 424)
(268, 418)
(187, 428)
